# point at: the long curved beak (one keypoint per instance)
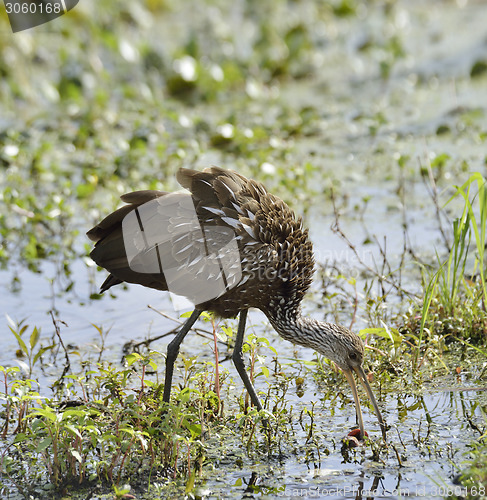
(363, 378)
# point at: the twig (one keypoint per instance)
(432, 189)
(134, 346)
(67, 366)
(335, 227)
(397, 455)
(206, 334)
(165, 315)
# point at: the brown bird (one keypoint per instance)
(227, 244)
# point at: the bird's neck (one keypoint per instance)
(291, 325)
(287, 323)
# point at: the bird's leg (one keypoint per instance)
(239, 362)
(173, 351)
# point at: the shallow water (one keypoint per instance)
(428, 430)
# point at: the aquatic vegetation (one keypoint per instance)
(27, 350)
(114, 431)
(474, 476)
(109, 424)
(477, 222)
(452, 295)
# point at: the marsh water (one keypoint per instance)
(430, 428)
(363, 126)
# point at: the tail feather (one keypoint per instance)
(109, 251)
(109, 282)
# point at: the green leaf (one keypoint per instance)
(120, 492)
(76, 455)
(273, 349)
(47, 413)
(132, 358)
(20, 341)
(190, 483)
(303, 361)
(34, 337)
(386, 333)
(221, 336)
(20, 437)
(195, 430)
(74, 413)
(227, 330)
(186, 314)
(73, 430)
(40, 352)
(44, 444)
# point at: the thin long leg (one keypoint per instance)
(173, 351)
(239, 362)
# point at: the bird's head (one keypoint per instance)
(346, 349)
(338, 344)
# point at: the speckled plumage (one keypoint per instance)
(276, 254)
(276, 259)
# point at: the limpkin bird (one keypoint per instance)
(228, 245)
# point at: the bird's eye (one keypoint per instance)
(353, 356)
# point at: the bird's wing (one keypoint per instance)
(264, 226)
(158, 240)
(203, 243)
